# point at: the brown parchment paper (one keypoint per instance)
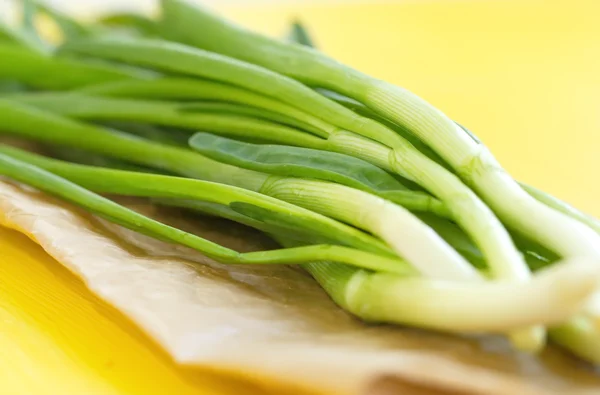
(270, 323)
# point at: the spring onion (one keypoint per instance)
(402, 215)
(471, 160)
(141, 185)
(404, 232)
(415, 301)
(464, 205)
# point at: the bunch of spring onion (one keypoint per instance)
(401, 214)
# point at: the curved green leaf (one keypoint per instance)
(160, 186)
(179, 58)
(150, 185)
(183, 115)
(187, 89)
(309, 163)
(296, 162)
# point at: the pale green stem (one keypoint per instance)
(403, 231)
(465, 207)
(33, 123)
(580, 336)
(563, 207)
(552, 295)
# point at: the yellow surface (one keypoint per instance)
(56, 337)
(524, 75)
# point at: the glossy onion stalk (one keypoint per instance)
(49, 182)
(463, 204)
(472, 161)
(425, 246)
(496, 306)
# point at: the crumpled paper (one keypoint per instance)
(270, 323)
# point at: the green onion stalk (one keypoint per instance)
(211, 117)
(464, 205)
(401, 298)
(336, 142)
(357, 135)
(34, 171)
(180, 88)
(562, 207)
(471, 160)
(405, 233)
(580, 335)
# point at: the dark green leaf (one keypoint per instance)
(296, 162)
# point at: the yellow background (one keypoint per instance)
(523, 75)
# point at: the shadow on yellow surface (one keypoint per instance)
(524, 75)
